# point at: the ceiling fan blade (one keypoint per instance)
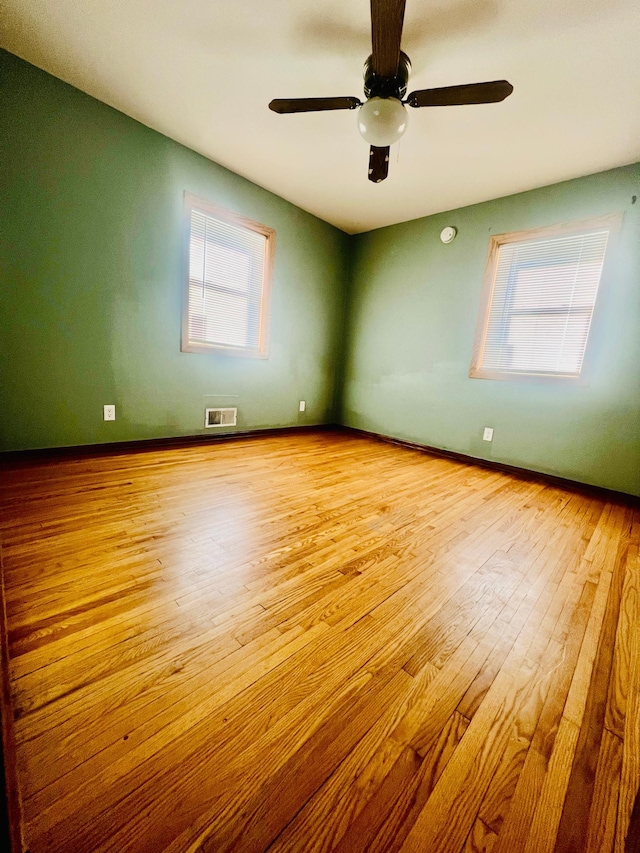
(312, 105)
(378, 164)
(473, 93)
(387, 17)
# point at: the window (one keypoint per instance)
(539, 293)
(228, 262)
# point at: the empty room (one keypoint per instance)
(320, 426)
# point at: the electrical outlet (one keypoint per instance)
(109, 413)
(303, 405)
(487, 434)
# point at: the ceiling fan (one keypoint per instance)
(382, 118)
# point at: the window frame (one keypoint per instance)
(610, 222)
(192, 202)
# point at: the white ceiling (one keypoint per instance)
(204, 71)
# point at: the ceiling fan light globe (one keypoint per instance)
(382, 121)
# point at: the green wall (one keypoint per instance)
(412, 318)
(90, 302)
(90, 277)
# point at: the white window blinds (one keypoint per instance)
(543, 293)
(227, 285)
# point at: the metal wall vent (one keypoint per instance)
(220, 417)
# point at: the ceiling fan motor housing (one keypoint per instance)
(376, 86)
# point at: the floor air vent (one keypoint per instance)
(220, 417)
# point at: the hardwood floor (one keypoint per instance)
(319, 643)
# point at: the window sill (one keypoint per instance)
(219, 349)
(527, 376)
